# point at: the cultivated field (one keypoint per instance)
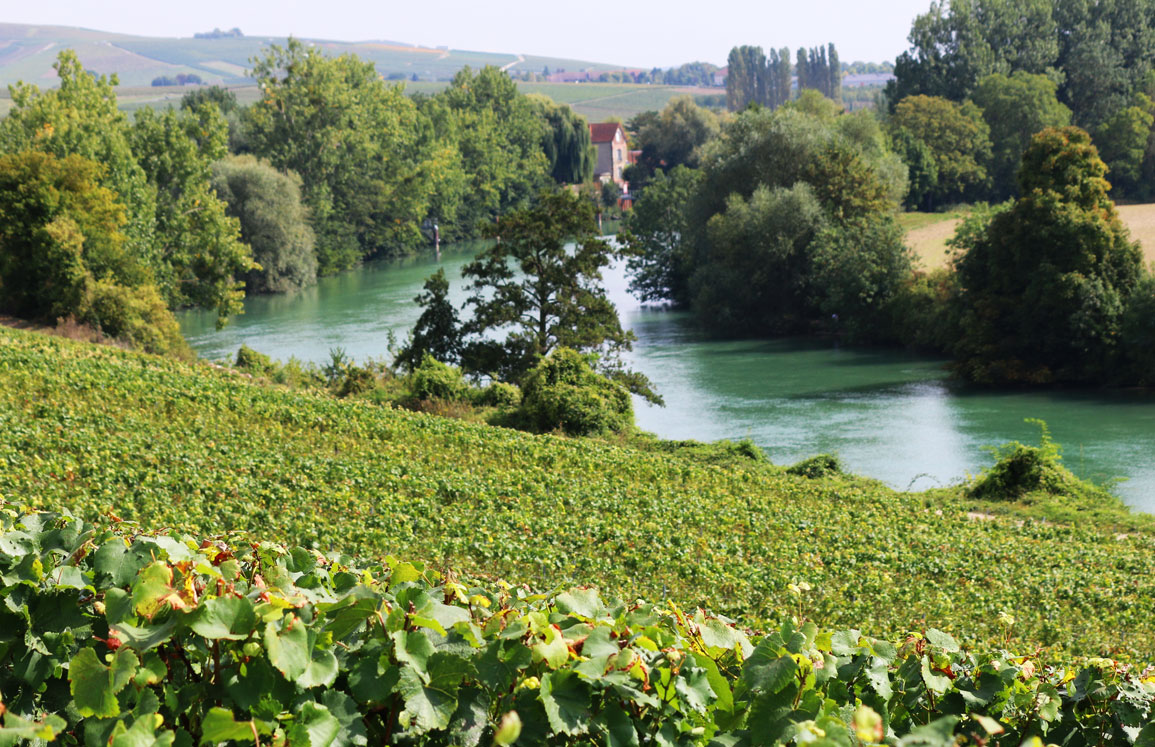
(927, 233)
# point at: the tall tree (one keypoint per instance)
(957, 137)
(566, 141)
(745, 78)
(1045, 284)
(542, 294)
(437, 332)
(1016, 107)
(273, 220)
(201, 260)
(365, 154)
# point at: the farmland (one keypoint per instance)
(102, 431)
(927, 233)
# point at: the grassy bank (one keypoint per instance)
(98, 430)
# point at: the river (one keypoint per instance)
(889, 415)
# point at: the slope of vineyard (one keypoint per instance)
(100, 431)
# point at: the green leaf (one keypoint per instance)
(230, 617)
(322, 669)
(878, 675)
(724, 697)
(720, 637)
(500, 663)
(585, 603)
(567, 702)
(508, 730)
(599, 643)
(939, 683)
(619, 728)
(314, 726)
(431, 705)
(142, 733)
(553, 650)
(845, 643)
(288, 648)
(942, 640)
(1146, 737)
(693, 687)
(17, 730)
(94, 686)
(939, 733)
(153, 592)
(412, 647)
(766, 671)
(146, 637)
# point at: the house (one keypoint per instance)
(613, 152)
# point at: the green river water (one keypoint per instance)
(888, 415)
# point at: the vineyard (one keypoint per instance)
(106, 433)
(125, 638)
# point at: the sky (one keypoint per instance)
(634, 33)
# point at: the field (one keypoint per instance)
(101, 431)
(927, 233)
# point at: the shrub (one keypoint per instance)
(137, 315)
(1021, 470)
(821, 465)
(564, 392)
(436, 380)
(252, 361)
(500, 394)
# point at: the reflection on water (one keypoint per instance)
(887, 414)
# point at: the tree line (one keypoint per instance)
(783, 222)
(755, 77)
(129, 219)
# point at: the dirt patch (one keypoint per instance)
(1140, 219)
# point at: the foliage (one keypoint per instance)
(656, 233)
(432, 379)
(202, 259)
(1044, 285)
(567, 146)
(1022, 470)
(820, 465)
(81, 118)
(62, 253)
(437, 332)
(174, 639)
(251, 360)
(500, 394)
(498, 136)
(100, 430)
(754, 78)
(273, 222)
(542, 294)
(1122, 141)
(365, 155)
(1015, 107)
(564, 392)
(670, 138)
(785, 248)
(1137, 334)
(818, 69)
(958, 139)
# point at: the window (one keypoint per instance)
(618, 154)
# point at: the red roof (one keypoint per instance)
(603, 132)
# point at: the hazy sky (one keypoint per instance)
(639, 33)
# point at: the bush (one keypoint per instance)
(252, 361)
(1021, 470)
(500, 394)
(137, 315)
(436, 380)
(821, 465)
(564, 392)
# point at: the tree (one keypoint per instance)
(1046, 283)
(542, 294)
(499, 137)
(564, 392)
(81, 118)
(745, 80)
(437, 333)
(273, 221)
(657, 236)
(1015, 107)
(201, 260)
(1122, 141)
(957, 137)
(566, 143)
(63, 253)
(364, 152)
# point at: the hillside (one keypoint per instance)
(27, 53)
(101, 431)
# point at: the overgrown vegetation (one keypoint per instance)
(175, 639)
(98, 430)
